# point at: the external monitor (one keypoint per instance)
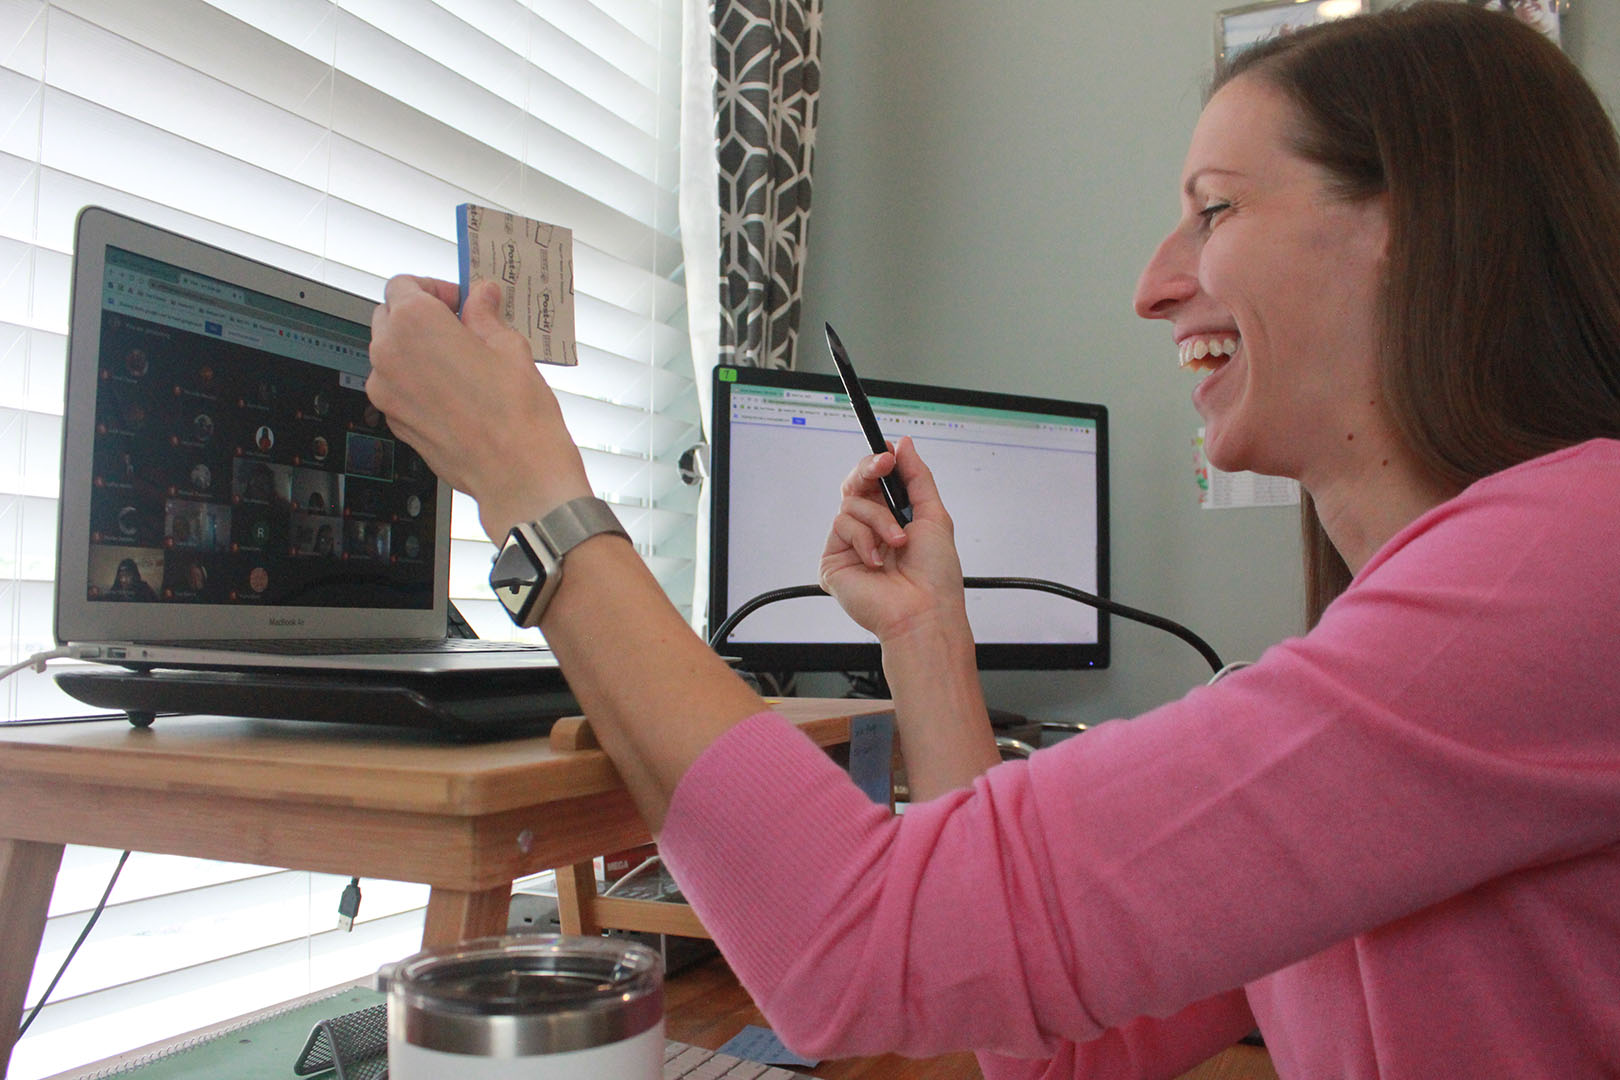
(1025, 480)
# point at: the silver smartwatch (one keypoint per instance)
(528, 568)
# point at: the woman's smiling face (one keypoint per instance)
(1271, 282)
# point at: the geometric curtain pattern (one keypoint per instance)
(767, 58)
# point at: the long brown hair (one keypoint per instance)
(1501, 171)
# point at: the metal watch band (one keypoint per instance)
(576, 521)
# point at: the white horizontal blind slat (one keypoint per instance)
(123, 1016)
(631, 294)
(610, 105)
(196, 108)
(631, 327)
(83, 877)
(27, 539)
(334, 138)
(33, 364)
(643, 356)
(254, 939)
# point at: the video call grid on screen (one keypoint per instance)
(1025, 486)
(236, 458)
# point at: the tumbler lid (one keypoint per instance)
(525, 994)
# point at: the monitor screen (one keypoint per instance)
(1025, 480)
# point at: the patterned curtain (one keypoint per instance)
(767, 58)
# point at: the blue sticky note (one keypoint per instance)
(871, 755)
(464, 246)
(755, 1043)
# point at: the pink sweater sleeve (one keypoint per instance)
(823, 948)
(1152, 867)
(1144, 1047)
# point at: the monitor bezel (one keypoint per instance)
(792, 656)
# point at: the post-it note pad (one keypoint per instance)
(755, 1043)
(534, 264)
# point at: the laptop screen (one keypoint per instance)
(234, 461)
(237, 460)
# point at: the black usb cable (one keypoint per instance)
(101, 906)
(1102, 603)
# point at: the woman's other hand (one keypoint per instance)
(887, 578)
(905, 586)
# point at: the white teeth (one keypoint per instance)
(1193, 350)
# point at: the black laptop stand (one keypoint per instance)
(478, 705)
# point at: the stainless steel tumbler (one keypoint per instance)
(526, 1007)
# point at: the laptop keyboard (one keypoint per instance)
(684, 1062)
(358, 646)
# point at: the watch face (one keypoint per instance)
(529, 566)
(516, 578)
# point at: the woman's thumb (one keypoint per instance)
(481, 313)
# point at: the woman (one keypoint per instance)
(1391, 843)
(1541, 14)
(128, 584)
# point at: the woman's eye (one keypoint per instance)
(1213, 211)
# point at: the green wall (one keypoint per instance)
(989, 180)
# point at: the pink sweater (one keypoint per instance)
(1392, 843)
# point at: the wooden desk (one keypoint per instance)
(464, 819)
(706, 1006)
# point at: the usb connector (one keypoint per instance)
(349, 904)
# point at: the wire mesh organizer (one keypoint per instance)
(354, 1046)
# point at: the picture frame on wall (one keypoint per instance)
(1544, 15)
(1240, 27)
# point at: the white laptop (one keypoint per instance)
(230, 498)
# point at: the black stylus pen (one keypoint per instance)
(894, 492)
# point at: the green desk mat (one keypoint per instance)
(262, 1049)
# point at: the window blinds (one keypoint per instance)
(336, 139)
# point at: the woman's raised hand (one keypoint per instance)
(466, 395)
(886, 577)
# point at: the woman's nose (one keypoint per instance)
(1166, 282)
